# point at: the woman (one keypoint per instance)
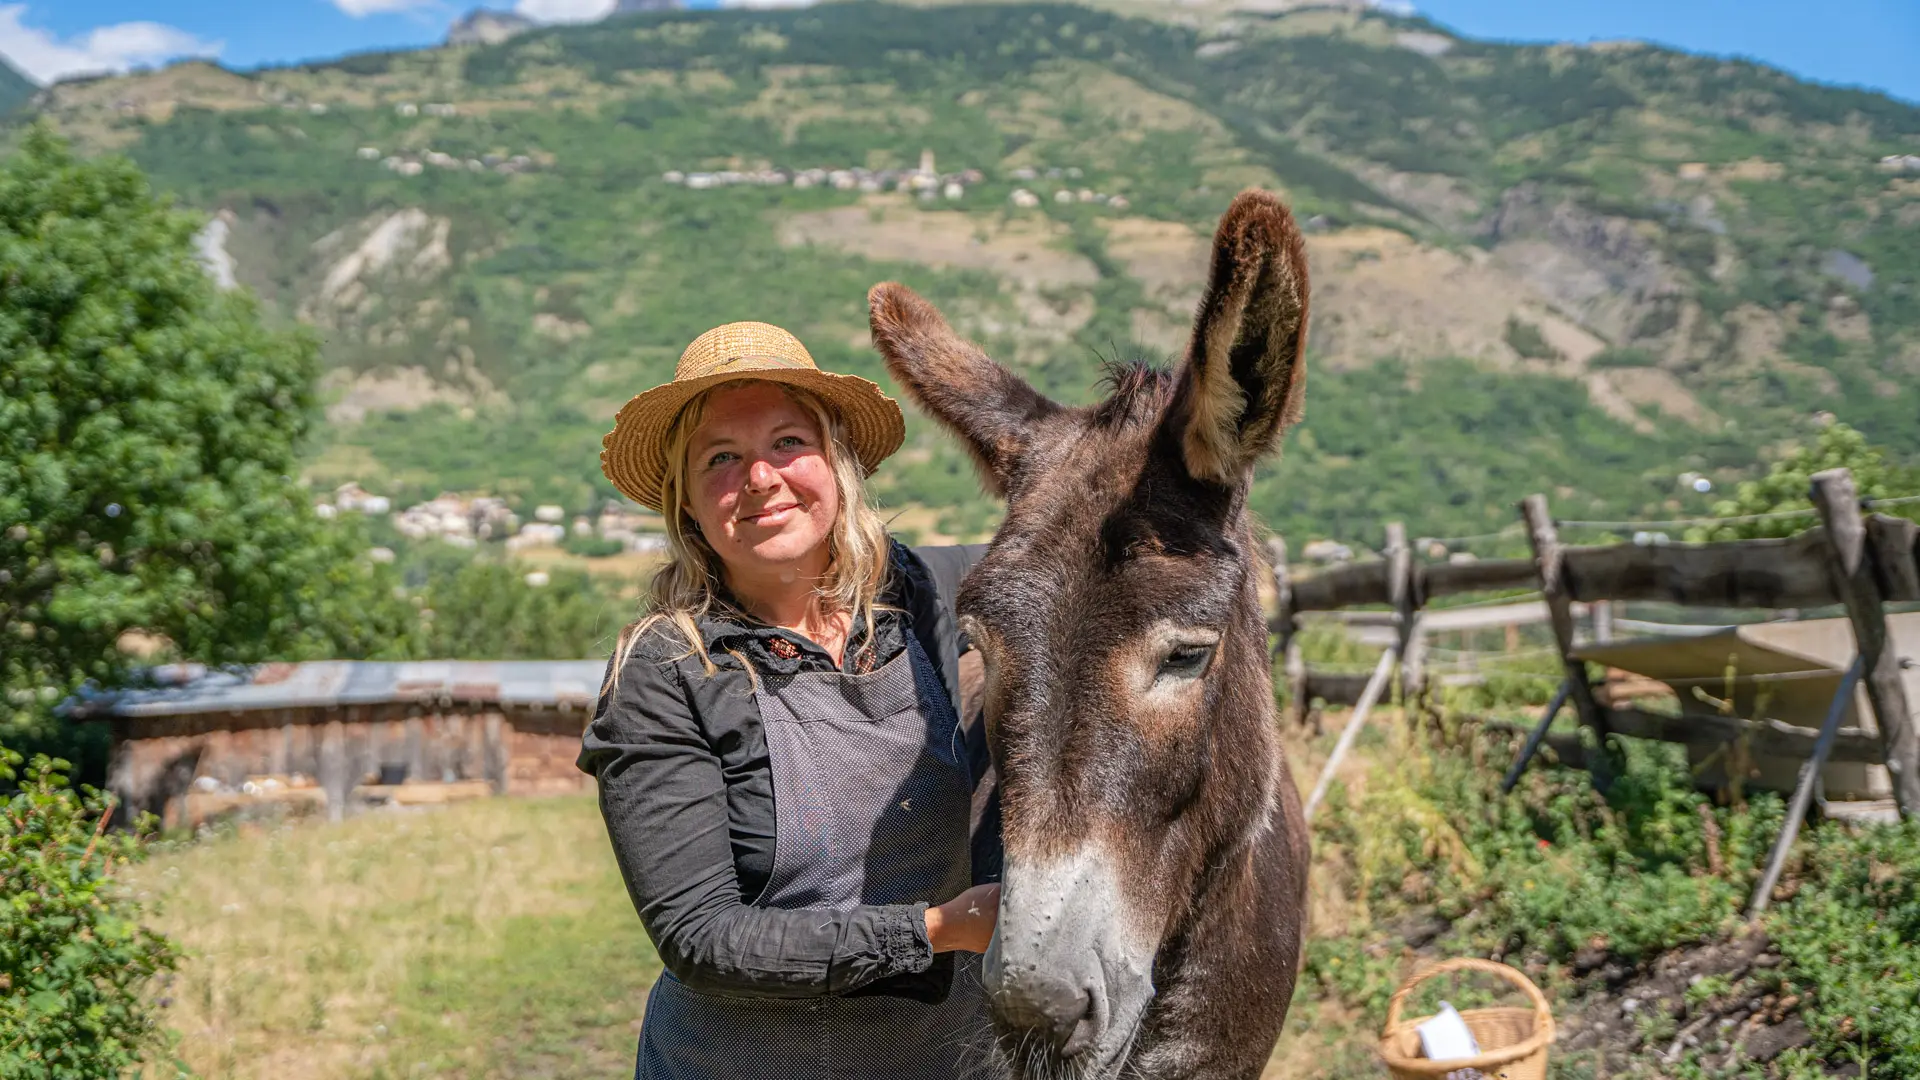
(782, 771)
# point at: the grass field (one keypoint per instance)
(490, 939)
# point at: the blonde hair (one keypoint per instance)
(685, 588)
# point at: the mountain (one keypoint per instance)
(15, 89)
(1585, 270)
(484, 26)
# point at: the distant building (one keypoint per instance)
(1326, 551)
(458, 520)
(352, 498)
(536, 534)
(195, 743)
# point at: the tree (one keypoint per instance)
(148, 434)
(1786, 485)
(74, 960)
(487, 610)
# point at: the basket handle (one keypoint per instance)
(1468, 963)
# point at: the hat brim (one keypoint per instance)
(634, 454)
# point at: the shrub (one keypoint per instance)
(75, 962)
(592, 547)
(1851, 936)
(487, 611)
(1544, 873)
(1787, 485)
(1528, 341)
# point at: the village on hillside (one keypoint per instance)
(468, 520)
(926, 181)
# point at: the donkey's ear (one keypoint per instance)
(992, 409)
(1245, 375)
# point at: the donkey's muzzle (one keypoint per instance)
(1065, 972)
(1050, 1006)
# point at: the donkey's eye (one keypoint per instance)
(1185, 662)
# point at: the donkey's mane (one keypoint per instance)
(1135, 391)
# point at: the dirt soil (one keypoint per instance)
(1743, 1026)
(886, 228)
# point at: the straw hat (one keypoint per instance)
(634, 454)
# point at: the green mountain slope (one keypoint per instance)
(1585, 270)
(15, 89)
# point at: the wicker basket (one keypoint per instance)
(1513, 1041)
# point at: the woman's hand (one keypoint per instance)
(964, 923)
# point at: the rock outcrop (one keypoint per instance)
(483, 26)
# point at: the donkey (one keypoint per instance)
(1156, 856)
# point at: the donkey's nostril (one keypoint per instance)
(1056, 1009)
(1082, 1038)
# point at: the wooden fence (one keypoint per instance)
(1852, 559)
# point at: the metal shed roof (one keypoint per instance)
(176, 689)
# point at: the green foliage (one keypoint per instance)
(1851, 937)
(149, 430)
(486, 610)
(1622, 357)
(1554, 870)
(1526, 339)
(1787, 485)
(592, 547)
(1453, 447)
(75, 961)
(596, 238)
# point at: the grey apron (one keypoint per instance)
(871, 794)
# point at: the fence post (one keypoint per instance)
(1404, 597)
(336, 771)
(1551, 568)
(1852, 565)
(1286, 626)
(1602, 615)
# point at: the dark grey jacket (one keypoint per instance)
(686, 788)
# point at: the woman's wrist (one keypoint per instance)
(933, 919)
(964, 923)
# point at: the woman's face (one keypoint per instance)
(759, 483)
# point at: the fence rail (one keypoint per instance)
(1851, 559)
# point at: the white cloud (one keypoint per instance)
(564, 11)
(362, 8)
(43, 58)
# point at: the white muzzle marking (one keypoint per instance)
(1066, 962)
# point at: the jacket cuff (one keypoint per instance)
(903, 939)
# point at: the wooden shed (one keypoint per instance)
(191, 742)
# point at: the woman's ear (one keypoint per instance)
(992, 410)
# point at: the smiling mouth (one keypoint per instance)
(771, 515)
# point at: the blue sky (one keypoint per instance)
(1873, 43)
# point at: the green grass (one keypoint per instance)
(489, 938)
(1556, 870)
